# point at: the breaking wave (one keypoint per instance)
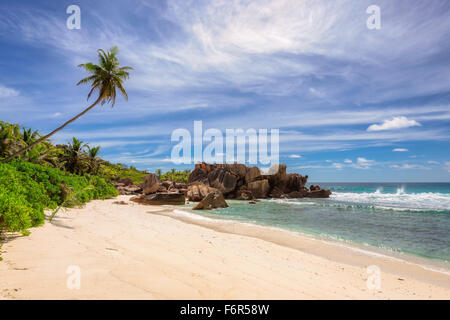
(425, 201)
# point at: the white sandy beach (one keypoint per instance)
(149, 252)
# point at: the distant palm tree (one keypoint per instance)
(158, 172)
(106, 77)
(74, 157)
(29, 136)
(10, 138)
(93, 159)
(93, 152)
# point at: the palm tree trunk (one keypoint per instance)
(53, 132)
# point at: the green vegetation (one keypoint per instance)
(26, 189)
(116, 172)
(174, 175)
(75, 157)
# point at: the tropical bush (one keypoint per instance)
(26, 189)
(115, 172)
(174, 175)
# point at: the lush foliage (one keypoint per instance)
(14, 138)
(26, 189)
(74, 157)
(116, 172)
(174, 175)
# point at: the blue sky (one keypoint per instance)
(351, 104)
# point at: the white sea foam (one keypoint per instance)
(291, 201)
(400, 200)
(191, 215)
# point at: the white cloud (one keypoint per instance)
(338, 166)
(6, 92)
(116, 143)
(407, 166)
(295, 156)
(363, 163)
(432, 162)
(348, 161)
(447, 166)
(400, 150)
(361, 160)
(394, 123)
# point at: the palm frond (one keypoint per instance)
(107, 76)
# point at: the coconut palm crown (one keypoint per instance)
(106, 77)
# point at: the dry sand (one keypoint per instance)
(150, 252)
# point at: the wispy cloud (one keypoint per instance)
(407, 166)
(6, 92)
(363, 163)
(447, 166)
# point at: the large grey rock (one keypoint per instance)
(196, 192)
(200, 173)
(294, 182)
(239, 169)
(161, 199)
(129, 190)
(126, 181)
(212, 201)
(259, 188)
(318, 194)
(277, 193)
(243, 194)
(298, 194)
(253, 173)
(223, 180)
(150, 184)
(237, 181)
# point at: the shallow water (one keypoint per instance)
(408, 218)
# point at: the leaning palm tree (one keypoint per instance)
(105, 78)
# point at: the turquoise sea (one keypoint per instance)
(412, 218)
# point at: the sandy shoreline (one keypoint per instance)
(149, 252)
